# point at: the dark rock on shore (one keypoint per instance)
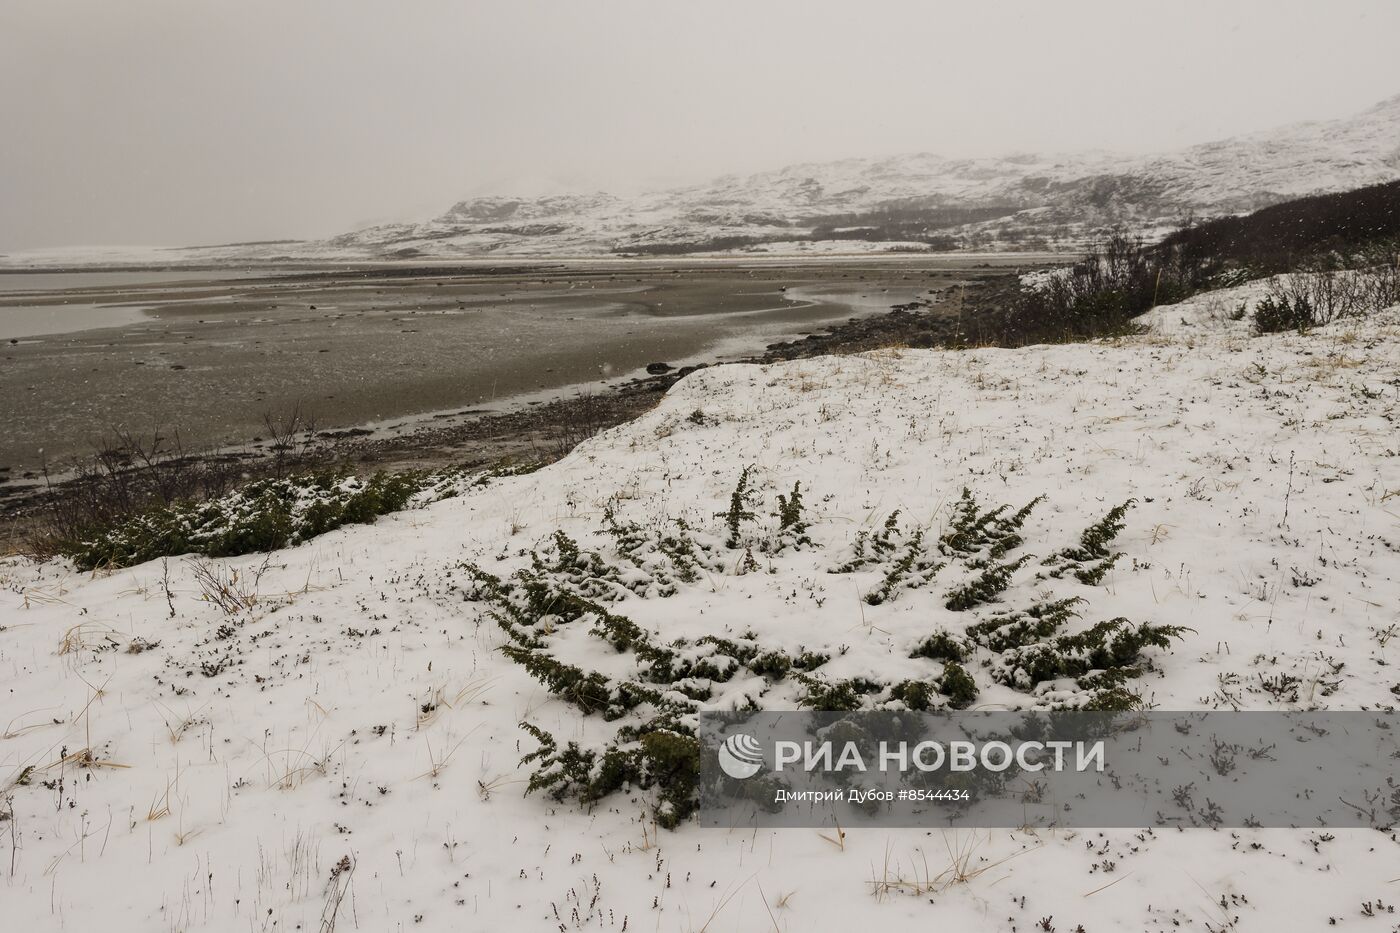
(963, 316)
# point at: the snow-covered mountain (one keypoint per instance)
(918, 201)
(1017, 200)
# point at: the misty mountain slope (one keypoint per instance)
(910, 202)
(1019, 200)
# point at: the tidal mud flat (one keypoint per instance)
(399, 348)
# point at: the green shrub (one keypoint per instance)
(912, 570)
(1106, 646)
(662, 758)
(668, 683)
(872, 549)
(985, 587)
(840, 696)
(915, 694)
(1093, 558)
(942, 646)
(1007, 630)
(1277, 313)
(906, 560)
(263, 516)
(740, 509)
(988, 534)
(792, 523)
(958, 686)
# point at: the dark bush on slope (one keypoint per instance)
(1286, 236)
(263, 516)
(1101, 294)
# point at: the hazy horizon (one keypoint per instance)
(160, 123)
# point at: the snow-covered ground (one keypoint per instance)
(339, 745)
(1210, 314)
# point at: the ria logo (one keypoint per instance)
(740, 756)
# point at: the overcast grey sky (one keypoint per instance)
(169, 122)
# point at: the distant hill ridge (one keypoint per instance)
(911, 202)
(1018, 201)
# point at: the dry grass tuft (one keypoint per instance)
(225, 588)
(88, 636)
(920, 880)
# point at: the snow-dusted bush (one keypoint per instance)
(567, 588)
(1101, 294)
(263, 516)
(1275, 314)
(1326, 294)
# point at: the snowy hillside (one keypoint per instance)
(1034, 201)
(916, 201)
(329, 737)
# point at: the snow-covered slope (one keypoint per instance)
(1038, 200)
(1015, 202)
(347, 744)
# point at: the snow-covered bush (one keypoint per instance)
(1322, 295)
(1278, 313)
(263, 516)
(567, 589)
